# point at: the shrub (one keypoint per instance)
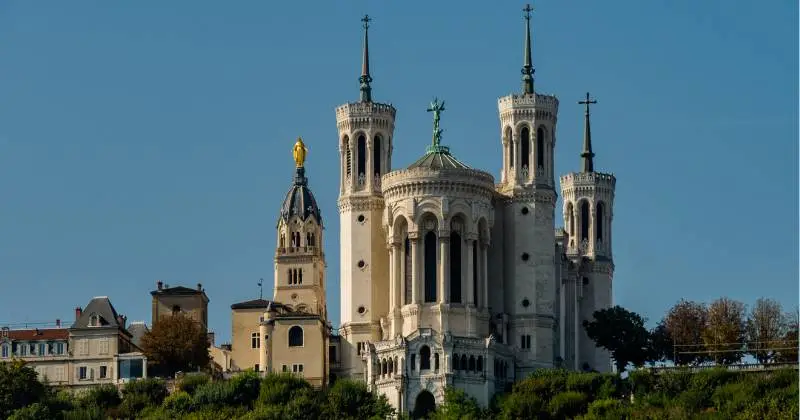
(278, 389)
(179, 403)
(213, 394)
(245, 388)
(607, 409)
(568, 404)
(35, 411)
(104, 396)
(190, 383)
(519, 405)
(149, 390)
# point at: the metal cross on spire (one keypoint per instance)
(527, 64)
(261, 288)
(587, 156)
(365, 79)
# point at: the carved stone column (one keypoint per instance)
(483, 281)
(413, 238)
(444, 267)
(469, 286)
(392, 276)
(368, 173)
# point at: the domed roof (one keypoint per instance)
(438, 157)
(299, 200)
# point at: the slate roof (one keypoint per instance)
(300, 200)
(438, 157)
(251, 304)
(137, 330)
(177, 290)
(101, 306)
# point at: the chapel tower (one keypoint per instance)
(366, 130)
(588, 213)
(299, 260)
(527, 122)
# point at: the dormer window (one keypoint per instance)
(94, 320)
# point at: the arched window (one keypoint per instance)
(430, 267)
(413, 364)
(283, 241)
(525, 153)
(584, 220)
(570, 220)
(455, 361)
(540, 147)
(376, 155)
(472, 363)
(361, 157)
(455, 267)
(347, 155)
(479, 366)
(475, 272)
(296, 336)
(299, 276)
(407, 271)
(396, 365)
(425, 358)
(391, 367)
(289, 275)
(599, 220)
(435, 361)
(463, 363)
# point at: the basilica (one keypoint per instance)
(449, 277)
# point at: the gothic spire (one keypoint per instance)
(587, 156)
(365, 79)
(527, 67)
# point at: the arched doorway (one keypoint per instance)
(424, 405)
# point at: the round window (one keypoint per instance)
(361, 310)
(525, 210)
(525, 256)
(361, 264)
(361, 218)
(526, 302)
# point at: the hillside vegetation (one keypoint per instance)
(547, 394)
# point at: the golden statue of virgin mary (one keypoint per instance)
(299, 152)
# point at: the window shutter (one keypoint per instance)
(91, 373)
(77, 373)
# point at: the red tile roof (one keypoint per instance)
(39, 334)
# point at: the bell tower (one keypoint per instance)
(588, 214)
(527, 123)
(299, 261)
(366, 130)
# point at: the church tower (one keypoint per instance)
(588, 213)
(299, 261)
(528, 122)
(366, 131)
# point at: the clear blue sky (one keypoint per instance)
(151, 140)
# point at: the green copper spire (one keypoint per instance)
(436, 147)
(365, 79)
(587, 156)
(527, 67)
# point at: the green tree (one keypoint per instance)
(724, 334)
(457, 405)
(685, 323)
(764, 329)
(19, 387)
(351, 400)
(790, 343)
(176, 343)
(661, 348)
(622, 333)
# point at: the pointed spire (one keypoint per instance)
(365, 79)
(527, 67)
(587, 156)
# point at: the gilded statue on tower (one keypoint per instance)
(299, 152)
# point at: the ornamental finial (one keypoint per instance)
(299, 152)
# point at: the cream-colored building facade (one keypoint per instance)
(96, 349)
(290, 333)
(450, 278)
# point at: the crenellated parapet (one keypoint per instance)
(363, 115)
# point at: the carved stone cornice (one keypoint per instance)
(360, 203)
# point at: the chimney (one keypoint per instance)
(58, 323)
(78, 313)
(121, 320)
(160, 284)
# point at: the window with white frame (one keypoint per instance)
(297, 369)
(255, 340)
(42, 349)
(103, 372)
(59, 348)
(83, 373)
(23, 350)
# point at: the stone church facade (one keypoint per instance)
(450, 278)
